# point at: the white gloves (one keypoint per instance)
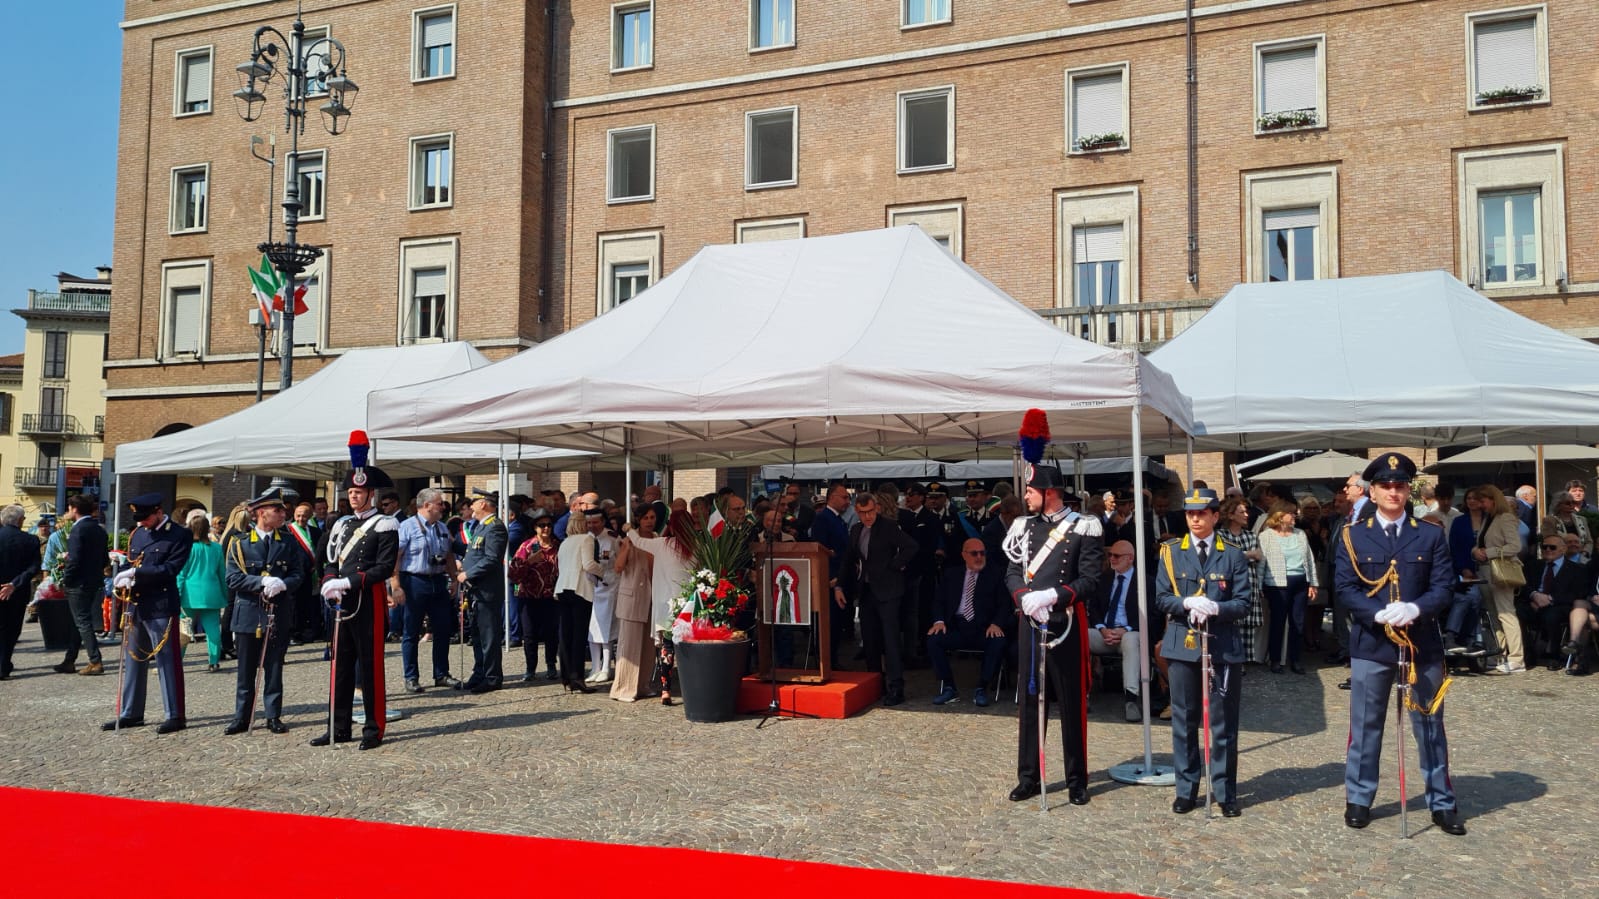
(1200, 609)
(272, 586)
(124, 578)
(336, 588)
(1398, 614)
(1037, 603)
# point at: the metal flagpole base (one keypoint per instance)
(1140, 775)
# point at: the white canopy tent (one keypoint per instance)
(1516, 454)
(304, 432)
(932, 468)
(877, 339)
(1331, 363)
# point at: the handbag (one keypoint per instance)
(1507, 572)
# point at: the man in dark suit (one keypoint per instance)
(307, 535)
(1554, 585)
(828, 528)
(970, 612)
(1202, 585)
(19, 565)
(83, 578)
(482, 576)
(874, 571)
(1113, 620)
(1056, 560)
(265, 568)
(1394, 574)
(916, 612)
(159, 549)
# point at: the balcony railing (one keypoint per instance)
(50, 423)
(1131, 326)
(69, 301)
(36, 478)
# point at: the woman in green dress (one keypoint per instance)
(203, 588)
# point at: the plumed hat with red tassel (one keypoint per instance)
(1033, 437)
(369, 477)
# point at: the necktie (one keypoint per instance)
(866, 538)
(1204, 552)
(1392, 530)
(1548, 585)
(968, 607)
(1116, 600)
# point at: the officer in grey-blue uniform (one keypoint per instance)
(1202, 581)
(265, 568)
(1392, 570)
(159, 549)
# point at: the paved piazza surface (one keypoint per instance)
(913, 788)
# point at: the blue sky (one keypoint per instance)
(58, 169)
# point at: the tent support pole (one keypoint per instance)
(627, 473)
(1538, 475)
(1188, 484)
(1079, 480)
(504, 486)
(1144, 773)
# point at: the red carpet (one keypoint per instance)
(60, 842)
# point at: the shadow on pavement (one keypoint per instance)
(1281, 783)
(519, 719)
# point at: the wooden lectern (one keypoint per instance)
(793, 591)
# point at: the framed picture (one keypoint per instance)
(785, 591)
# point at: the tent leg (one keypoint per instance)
(1188, 484)
(627, 473)
(504, 487)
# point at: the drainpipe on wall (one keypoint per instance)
(1193, 150)
(547, 214)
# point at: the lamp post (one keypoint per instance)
(297, 65)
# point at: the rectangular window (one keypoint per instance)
(768, 229)
(630, 164)
(1096, 113)
(1097, 272)
(316, 73)
(1098, 254)
(1510, 238)
(628, 280)
(632, 36)
(55, 354)
(308, 324)
(1289, 242)
(311, 166)
(431, 170)
(186, 307)
(434, 52)
(628, 264)
(923, 12)
(1290, 85)
(49, 460)
(193, 94)
(1508, 61)
(771, 24)
(927, 130)
(942, 222)
(427, 290)
(770, 138)
(189, 194)
(429, 297)
(185, 296)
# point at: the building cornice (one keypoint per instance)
(190, 13)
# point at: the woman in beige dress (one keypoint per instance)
(635, 649)
(1501, 539)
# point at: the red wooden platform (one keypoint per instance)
(845, 694)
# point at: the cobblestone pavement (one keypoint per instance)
(913, 788)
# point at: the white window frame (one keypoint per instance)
(1073, 75)
(426, 253)
(312, 36)
(610, 183)
(755, 22)
(617, 11)
(905, 23)
(1540, 166)
(1290, 189)
(419, 146)
(418, 52)
(759, 230)
(1292, 259)
(319, 337)
(180, 83)
(749, 149)
(937, 220)
(291, 171)
(1540, 14)
(629, 248)
(900, 146)
(1265, 48)
(180, 275)
(175, 199)
(1091, 207)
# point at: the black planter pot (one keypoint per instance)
(709, 672)
(55, 623)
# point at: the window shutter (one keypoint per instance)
(429, 282)
(438, 31)
(186, 320)
(1283, 219)
(1507, 54)
(1288, 80)
(1097, 243)
(197, 78)
(1097, 105)
(305, 324)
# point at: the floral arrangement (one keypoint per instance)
(1510, 94)
(1099, 141)
(50, 584)
(717, 592)
(1285, 119)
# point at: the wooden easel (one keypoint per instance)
(767, 559)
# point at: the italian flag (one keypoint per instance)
(267, 285)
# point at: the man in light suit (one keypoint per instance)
(1202, 583)
(874, 570)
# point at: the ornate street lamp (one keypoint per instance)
(302, 65)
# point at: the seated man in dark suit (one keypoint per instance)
(1553, 587)
(970, 611)
(1113, 619)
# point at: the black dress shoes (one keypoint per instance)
(893, 697)
(235, 727)
(370, 743)
(468, 684)
(1024, 792)
(1357, 816)
(1276, 669)
(1231, 809)
(1077, 795)
(1344, 684)
(122, 722)
(323, 740)
(64, 668)
(171, 725)
(1183, 806)
(277, 726)
(1449, 822)
(485, 687)
(1297, 668)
